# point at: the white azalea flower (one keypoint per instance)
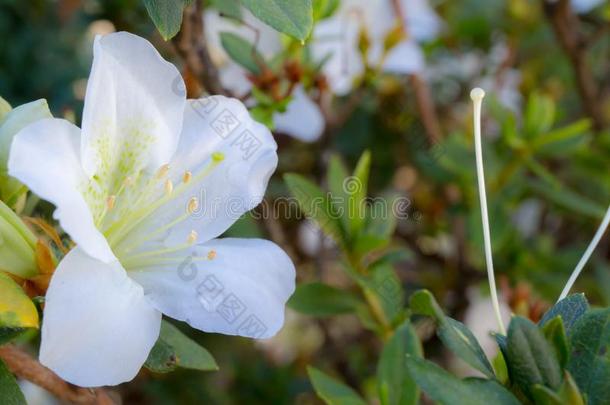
(303, 119)
(149, 174)
(336, 39)
(584, 6)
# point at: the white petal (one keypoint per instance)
(421, 20)
(45, 156)
(133, 108)
(584, 6)
(98, 328)
(302, 119)
(236, 185)
(405, 58)
(242, 291)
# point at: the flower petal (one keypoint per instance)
(133, 109)
(242, 290)
(98, 328)
(45, 156)
(234, 186)
(302, 119)
(405, 58)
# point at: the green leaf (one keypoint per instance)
(16, 309)
(386, 285)
(335, 177)
(324, 8)
(292, 17)
(567, 394)
(229, 8)
(9, 390)
(571, 308)
(568, 199)
(454, 334)
(530, 358)
(315, 205)
(174, 349)
(242, 51)
(539, 114)
(321, 300)
(395, 385)
(445, 388)
(356, 188)
(589, 361)
(5, 107)
(555, 333)
(333, 392)
(545, 396)
(166, 15)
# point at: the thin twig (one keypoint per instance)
(566, 26)
(24, 366)
(191, 45)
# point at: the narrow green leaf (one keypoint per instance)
(166, 15)
(9, 390)
(174, 349)
(447, 389)
(386, 285)
(545, 396)
(335, 177)
(330, 390)
(229, 8)
(571, 308)
(589, 362)
(555, 333)
(17, 311)
(568, 199)
(454, 334)
(324, 8)
(530, 358)
(356, 187)
(315, 205)
(395, 385)
(242, 51)
(292, 17)
(321, 300)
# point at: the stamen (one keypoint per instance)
(192, 238)
(169, 186)
(163, 170)
(211, 255)
(110, 202)
(192, 205)
(477, 95)
(585, 257)
(218, 157)
(187, 177)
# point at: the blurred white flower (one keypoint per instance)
(34, 395)
(148, 175)
(584, 6)
(336, 39)
(303, 119)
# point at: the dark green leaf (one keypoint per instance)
(589, 361)
(319, 299)
(454, 334)
(530, 358)
(9, 390)
(395, 385)
(242, 51)
(228, 8)
(386, 285)
(166, 15)
(332, 391)
(571, 308)
(447, 389)
(356, 188)
(292, 17)
(335, 177)
(545, 396)
(174, 349)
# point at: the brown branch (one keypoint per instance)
(24, 366)
(191, 45)
(426, 108)
(566, 26)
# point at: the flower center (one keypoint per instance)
(125, 217)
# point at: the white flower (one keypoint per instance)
(584, 6)
(147, 175)
(336, 39)
(302, 119)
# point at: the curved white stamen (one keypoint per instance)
(477, 95)
(585, 257)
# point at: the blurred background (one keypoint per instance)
(546, 69)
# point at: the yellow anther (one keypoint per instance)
(110, 201)
(193, 205)
(211, 255)
(218, 157)
(187, 177)
(163, 170)
(192, 238)
(169, 186)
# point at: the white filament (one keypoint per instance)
(477, 95)
(585, 257)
